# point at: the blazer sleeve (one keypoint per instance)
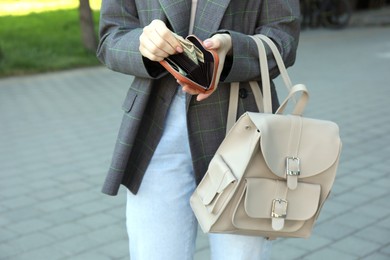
(119, 32)
(279, 20)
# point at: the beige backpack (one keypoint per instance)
(272, 173)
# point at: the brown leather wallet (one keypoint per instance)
(196, 66)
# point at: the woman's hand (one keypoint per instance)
(158, 42)
(222, 44)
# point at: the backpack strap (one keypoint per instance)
(263, 100)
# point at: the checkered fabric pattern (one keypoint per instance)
(152, 90)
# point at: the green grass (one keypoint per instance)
(22, 7)
(41, 42)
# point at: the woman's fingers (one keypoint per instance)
(158, 42)
(149, 49)
(189, 90)
(200, 96)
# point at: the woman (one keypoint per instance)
(169, 132)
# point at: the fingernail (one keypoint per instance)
(179, 49)
(208, 43)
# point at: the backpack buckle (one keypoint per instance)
(293, 166)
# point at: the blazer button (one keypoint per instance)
(243, 93)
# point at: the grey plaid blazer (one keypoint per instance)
(152, 90)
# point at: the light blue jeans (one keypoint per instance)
(159, 219)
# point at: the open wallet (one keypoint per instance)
(195, 66)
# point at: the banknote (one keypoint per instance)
(190, 50)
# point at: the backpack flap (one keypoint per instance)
(295, 147)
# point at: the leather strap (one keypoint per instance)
(264, 100)
(233, 104)
(233, 101)
(300, 104)
(257, 94)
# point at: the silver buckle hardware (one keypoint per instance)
(293, 166)
(279, 208)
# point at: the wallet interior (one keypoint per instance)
(201, 73)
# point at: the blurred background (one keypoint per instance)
(44, 35)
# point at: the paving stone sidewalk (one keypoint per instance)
(57, 132)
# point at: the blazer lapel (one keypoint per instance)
(178, 14)
(209, 14)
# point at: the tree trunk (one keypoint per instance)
(88, 35)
